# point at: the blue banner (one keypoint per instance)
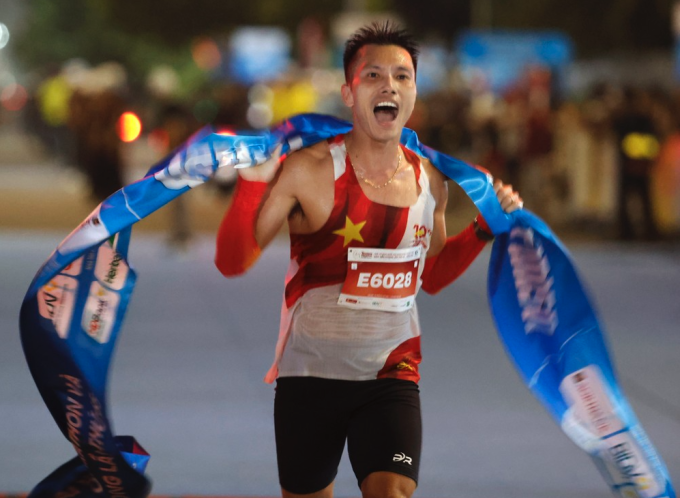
(74, 308)
(551, 331)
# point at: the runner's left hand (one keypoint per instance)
(509, 198)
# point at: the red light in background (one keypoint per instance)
(13, 97)
(226, 132)
(129, 127)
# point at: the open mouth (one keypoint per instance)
(386, 112)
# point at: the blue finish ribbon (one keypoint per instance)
(550, 330)
(74, 308)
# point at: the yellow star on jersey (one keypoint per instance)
(351, 231)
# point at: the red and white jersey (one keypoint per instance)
(320, 338)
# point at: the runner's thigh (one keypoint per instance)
(310, 433)
(385, 433)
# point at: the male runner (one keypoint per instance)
(347, 360)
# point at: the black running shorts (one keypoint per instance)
(380, 420)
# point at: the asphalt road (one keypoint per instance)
(187, 376)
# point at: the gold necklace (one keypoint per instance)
(369, 182)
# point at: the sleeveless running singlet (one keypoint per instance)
(320, 338)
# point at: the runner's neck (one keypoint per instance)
(372, 157)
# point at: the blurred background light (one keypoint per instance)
(258, 54)
(13, 97)
(163, 81)
(326, 81)
(293, 97)
(4, 36)
(259, 115)
(502, 56)
(53, 98)
(6, 78)
(206, 54)
(260, 94)
(129, 127)
(641, 146)
(433, 67)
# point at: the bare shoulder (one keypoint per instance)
(306, 172)
(438, 185)
(308, 159)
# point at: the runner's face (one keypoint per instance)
(382, 90)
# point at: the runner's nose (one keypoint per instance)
(388, 86)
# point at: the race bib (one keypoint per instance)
(381, 279)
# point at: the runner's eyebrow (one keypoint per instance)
(378, 66)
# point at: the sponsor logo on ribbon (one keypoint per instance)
(530, 269)
(100, 312)
(55, 302)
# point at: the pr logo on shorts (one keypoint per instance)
(401, 457)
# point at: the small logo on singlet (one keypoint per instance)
(421, 234)
(400, 457)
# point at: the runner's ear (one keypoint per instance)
(347, 96)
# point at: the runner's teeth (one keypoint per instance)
(386, 104)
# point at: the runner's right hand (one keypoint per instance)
(264, 172)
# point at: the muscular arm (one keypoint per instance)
(456, 256)
(257, 213)
(264, 199)
(237, 249)
(449, 257)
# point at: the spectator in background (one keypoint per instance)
(537, 146)
(444, 124)
(177, 125)
(48, 113)
(493, 157)
(666, 173)
(233, 105)
(511, 134)
(638, 148)
(595, 175)
(95, 106)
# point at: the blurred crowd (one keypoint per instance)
(606, 162)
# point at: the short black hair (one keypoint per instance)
(386, 33)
